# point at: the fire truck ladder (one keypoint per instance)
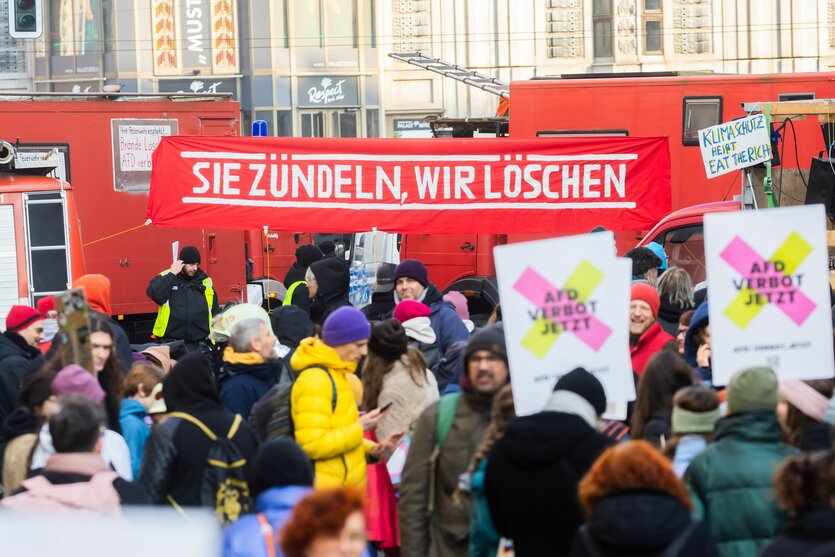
(456, 72)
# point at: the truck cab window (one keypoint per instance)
(699, 113)
(685, 248)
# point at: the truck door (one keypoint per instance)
(447, 256)
(9, 294)
(48, 262)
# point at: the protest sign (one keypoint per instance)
(541, 185)
(769, 293)
(566, 310)
(734, 145)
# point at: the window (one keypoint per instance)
(699, 113)
(653, 36)
(685, 248)
(582, 133)
(602, 28)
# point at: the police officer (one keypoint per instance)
(186, 301)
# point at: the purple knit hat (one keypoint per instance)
(413, 269)
(75, 380)
(344, 326)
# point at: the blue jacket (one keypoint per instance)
(244, 537)
(448, 327)
(483, 536)
(241, 385)
(700, 319)
(134, 430)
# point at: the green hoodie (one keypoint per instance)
(731, 483)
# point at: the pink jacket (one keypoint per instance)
(96, 496)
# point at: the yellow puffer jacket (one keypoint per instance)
(333, 439)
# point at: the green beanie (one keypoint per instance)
(753, 389)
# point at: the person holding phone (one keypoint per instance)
(395, 379)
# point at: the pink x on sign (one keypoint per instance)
(769, 281)
(563, 309)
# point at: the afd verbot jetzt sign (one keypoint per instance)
(565, 303)
(734, 145)
(769, 293)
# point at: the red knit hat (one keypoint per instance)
(45, 305)
(409, 309)
(646, 293)
(20, 317)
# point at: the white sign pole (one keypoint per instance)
(768, 292)
(565, 304)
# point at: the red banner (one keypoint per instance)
(489, 186)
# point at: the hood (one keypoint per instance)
(333, 278)
(643, 521)
(669, 312)
(132, 407)
(753, 427)
(281, 498)
(19, 422)
(291, 324)
(12, 344)
(700, 319)
(249, 363)
(419, 328)
(97, 289)
(191, 386)
(294, 274)
(540, 439)
(312, 351)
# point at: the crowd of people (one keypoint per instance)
(318, 429)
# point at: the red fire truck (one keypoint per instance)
(40, 247)
(104, 142)
(635, 105)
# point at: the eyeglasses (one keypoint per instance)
(490, 359)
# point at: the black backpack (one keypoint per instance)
(224, 487)
(271, 416)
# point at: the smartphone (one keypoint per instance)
(386, 407)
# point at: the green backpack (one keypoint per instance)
(447, 407)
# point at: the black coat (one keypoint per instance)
(189, 318)
(381, 306)
(241, 385)
(175, 454)
(301, 295)
(333, 279)
(643, 523)
(16, 357)
(130, 493)
(532, 477)
(812, 530)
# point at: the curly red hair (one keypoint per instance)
(322, 514)
(630, 465)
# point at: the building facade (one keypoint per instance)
(320, 67)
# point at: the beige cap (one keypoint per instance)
(223, 328)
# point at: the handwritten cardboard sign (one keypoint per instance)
(734, 145)
(768, 292)
(565, 310)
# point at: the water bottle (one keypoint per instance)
(363, 288)
(353, 285)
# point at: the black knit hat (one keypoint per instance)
(581, 382)
(388, 340)
(643, 259)
(190, 254)
(278, 463)
(490, 338)
(327, 247)
(308, 254)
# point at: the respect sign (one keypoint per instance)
(734, 145)
(769, 293)
(564, 313)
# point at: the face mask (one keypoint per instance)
(50, 328)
